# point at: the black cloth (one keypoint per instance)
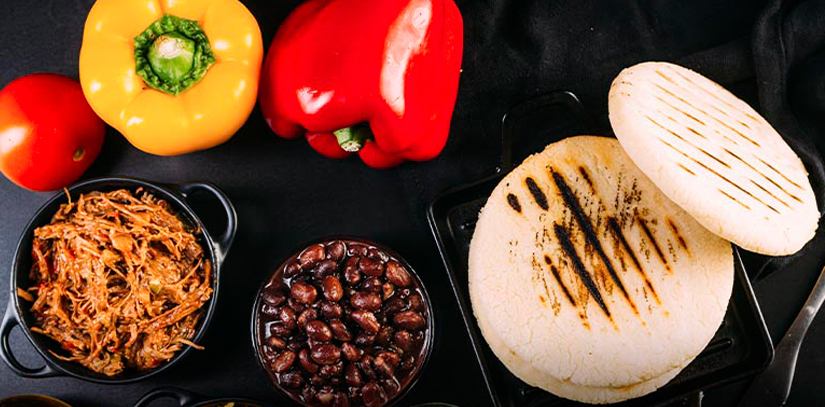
(789, 60)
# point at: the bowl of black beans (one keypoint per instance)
(343, 322)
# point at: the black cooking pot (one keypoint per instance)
(18, 314)
(190, 399)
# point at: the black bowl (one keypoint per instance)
(189, 399)
(18, 314)
(428, 341)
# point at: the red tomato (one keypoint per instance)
(49, 134)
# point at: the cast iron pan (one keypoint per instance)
(740, 348)
(190, 399)
(18, 314)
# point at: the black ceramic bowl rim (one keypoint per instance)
(16, 315)
(428, 342)
(187, 398)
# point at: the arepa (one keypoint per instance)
(714, 156)
(587, 281)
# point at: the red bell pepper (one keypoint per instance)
(377, 77)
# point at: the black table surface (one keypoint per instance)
(286, 194)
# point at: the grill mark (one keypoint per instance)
(538, 195)
(713, 95)
(586, 226)
(688, 142)
(556, 274)
(617, 232)
(769, 193)
(780, 174)
(705, 113)
(678, 235)
(690, 129)
(586, 177)
(680, 110)
(686, 169)
(794, 197)
(570, 251)
(720, 176)
(650, 237)
(733, 199)
(514, 203)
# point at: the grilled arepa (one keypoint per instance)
(714, 156)
(587, 281)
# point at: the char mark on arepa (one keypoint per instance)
(514, 203)
(586, 177)
(655, 244)
(584, 275)
(556, 274)
(714, 96)
(678, 235)
(572, 203)
(724, 178)
(538, 194)
(617, 232)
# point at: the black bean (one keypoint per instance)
(340, 330)
(309, 314)
(358, 250)
(384, 336)
(269, 310)
(284, 361)
(383, 367)
(306, 363)
(292, 380)
(311, 256)
(288, 318)
(331, 310)
(273, 298)
(292, 269)
(409, 320)
(336, 250)
(394, 305)
(279, 330)
(353, 376)
(390, 385)
(324, 268)
(365, 300)
(376, 254)
(366, 320)
(397, 274)
(325, 354)
(340, 400)
(387, 291)
(303, 292)
(275, 342)
(403, 339)
(366, 365)
(364, 339)
(371, 267)
(351, 352)
(295, 305)
(333, 290)
(373, 285)
(373, 395)
(416, 302)
(318, 331)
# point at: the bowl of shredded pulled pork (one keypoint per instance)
(115, 279)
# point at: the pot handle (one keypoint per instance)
(10, 321)
(527, 110)
(225, 240)
(184, 397)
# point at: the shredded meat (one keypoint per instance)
(120, 281)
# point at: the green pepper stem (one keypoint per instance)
(353, 138)
(172, 54)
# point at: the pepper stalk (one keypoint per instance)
(172, 54)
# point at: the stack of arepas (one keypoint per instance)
(599, 268)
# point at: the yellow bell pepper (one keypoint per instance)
(173, 76)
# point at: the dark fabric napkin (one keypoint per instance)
(789, 62)
(771, 53)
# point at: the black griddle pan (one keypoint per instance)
(740, 348)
